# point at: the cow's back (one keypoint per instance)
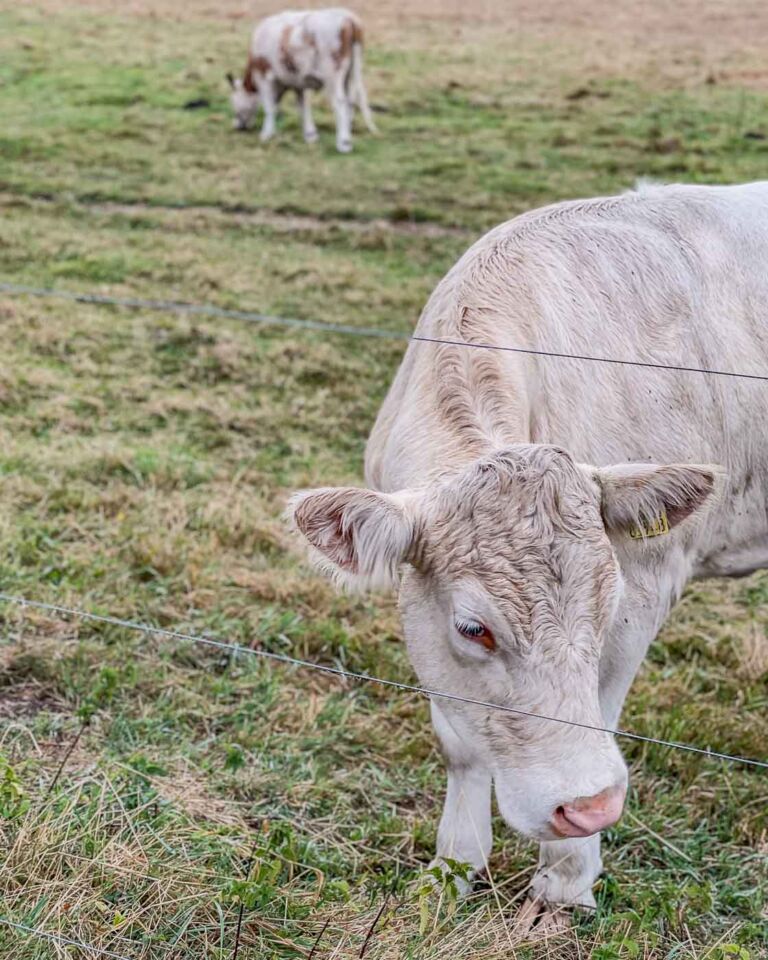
(317, 29)
(666, 275)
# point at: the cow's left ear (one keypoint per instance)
(231, 80)
(360, 537)
(645, 499)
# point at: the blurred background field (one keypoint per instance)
(145, 459)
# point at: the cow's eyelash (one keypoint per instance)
(475, 632)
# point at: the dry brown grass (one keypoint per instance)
(753, 655)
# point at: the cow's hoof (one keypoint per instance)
(344, 147)
(538, 919)
(311, 137)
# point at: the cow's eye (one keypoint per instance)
(476, 632)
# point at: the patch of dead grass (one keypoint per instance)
(753, 654)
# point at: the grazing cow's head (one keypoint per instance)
(245, 102)
(510, 585)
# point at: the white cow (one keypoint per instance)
(304, 50)
(542, 515)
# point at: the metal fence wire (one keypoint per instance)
(236, 649)
(211, 310)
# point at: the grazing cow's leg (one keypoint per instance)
(269, 103)
(307, 122)
(564, 877)
(342, 109)
(568, 869)
(465, 828)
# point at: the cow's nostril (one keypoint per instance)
(588, 815)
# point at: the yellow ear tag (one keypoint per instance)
(650, 528)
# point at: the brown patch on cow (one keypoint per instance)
(351, 32)
(286, 57)
(255, 65)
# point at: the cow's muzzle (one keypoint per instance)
(587, 815)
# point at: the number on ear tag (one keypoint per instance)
(650, 528)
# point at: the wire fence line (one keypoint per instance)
(211, 310)
(237, 649)
(199, 309)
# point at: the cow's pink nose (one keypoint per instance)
(587, 815)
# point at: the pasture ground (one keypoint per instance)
(144, 460)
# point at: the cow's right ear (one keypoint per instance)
(647, 499)
(360, 537)
(231, 80)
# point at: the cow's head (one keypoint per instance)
(509, 582)
(245, 103)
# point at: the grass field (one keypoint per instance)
(145, 458)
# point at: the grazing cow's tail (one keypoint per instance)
(357, 87)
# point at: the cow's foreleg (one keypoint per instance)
(564, 878)
(342, 109)
(269, 98)
(568, 869)
(307, 122)
(464, 833)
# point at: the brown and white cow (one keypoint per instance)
(542, 515)
(304, 50)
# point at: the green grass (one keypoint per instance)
(144, 461)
